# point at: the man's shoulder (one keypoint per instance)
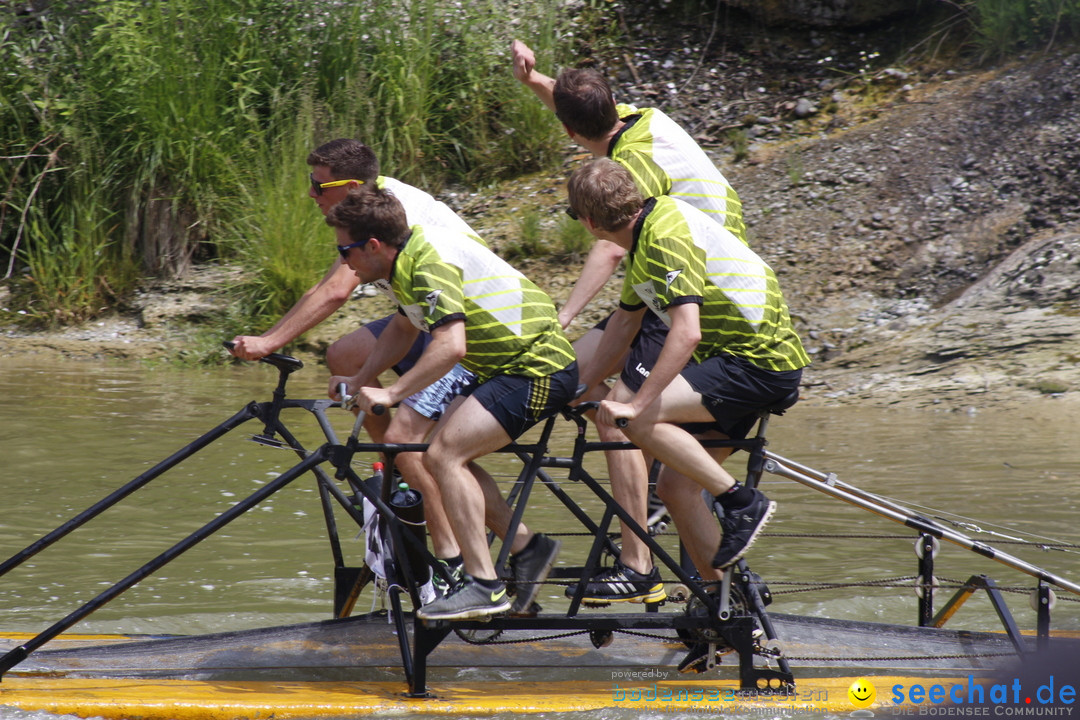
(401, 189)
(423, 208)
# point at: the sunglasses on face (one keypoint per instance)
(343, 250)
(572, 213)
(318, 186)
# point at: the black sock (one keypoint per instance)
(488, 584)
(453, 562)
(738, 496)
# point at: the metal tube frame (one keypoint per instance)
(427, 636)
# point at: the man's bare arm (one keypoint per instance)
(317, 304)
(525, 72)
(599, 266)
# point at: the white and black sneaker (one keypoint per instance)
(456, 573)
(741, 527)
(622, 584)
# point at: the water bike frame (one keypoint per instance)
(730, 615)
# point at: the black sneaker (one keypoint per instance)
(622, 584)
(741, 527)
(530, 568)
(469, 600)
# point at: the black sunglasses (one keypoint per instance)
(572, 213)
(343, 250)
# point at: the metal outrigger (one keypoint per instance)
(930, 532)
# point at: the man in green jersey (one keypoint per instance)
(730, 351)
(339, 167)
(483, 313)
(663, 160)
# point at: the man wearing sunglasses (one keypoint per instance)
(484, 314)
(663, 159)
(338, 168)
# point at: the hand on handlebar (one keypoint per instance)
(615, 414)
(251, 347)
(372, 400)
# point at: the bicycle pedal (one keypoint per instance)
(678, 593)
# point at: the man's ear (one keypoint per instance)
(569, 133)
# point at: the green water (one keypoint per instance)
(71, 432)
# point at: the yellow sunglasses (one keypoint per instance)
(318, 186)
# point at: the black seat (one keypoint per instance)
(778, 407)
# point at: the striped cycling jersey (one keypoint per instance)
(679, 255)
(665, 160)
(511, 326)
(423, 209)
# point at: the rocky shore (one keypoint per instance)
(923, 219)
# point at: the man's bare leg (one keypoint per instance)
(409, 426)
(629, 476)
(497, 513)
(465, 433)
(693, 519)
(345, 357)
(627, 469)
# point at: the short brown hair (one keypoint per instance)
(604, 191)
(371, 213)
(583, 103)
(347, 159)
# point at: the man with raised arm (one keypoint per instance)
(731, 351)
(483, 313)
(338, 167)
(663, 160)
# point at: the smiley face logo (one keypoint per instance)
(861, 693)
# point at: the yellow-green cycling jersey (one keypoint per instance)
(665, 160)
(511, 327)
(679, 255)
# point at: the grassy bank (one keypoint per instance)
(139, 137)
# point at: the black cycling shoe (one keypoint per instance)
(741, 527)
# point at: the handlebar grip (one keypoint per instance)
(285, 363)
(378, 409)
(621, 422)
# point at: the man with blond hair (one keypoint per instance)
(730, 351)
(663, 159)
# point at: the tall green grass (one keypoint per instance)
(1006, 26)
(138, 128)
(278, 233)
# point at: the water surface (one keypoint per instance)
(71, 432)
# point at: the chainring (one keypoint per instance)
(697, 609)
